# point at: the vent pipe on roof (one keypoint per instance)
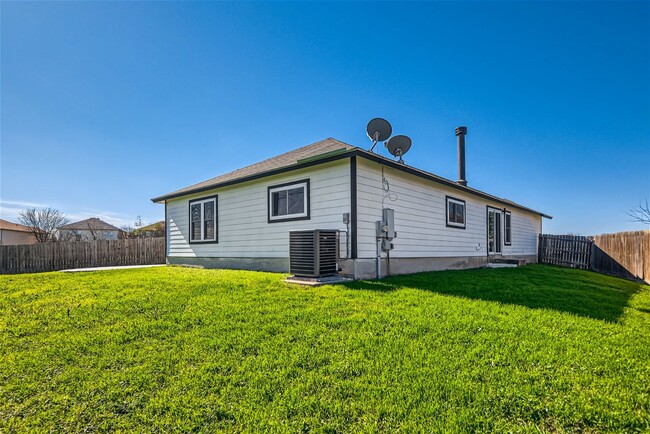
(461, 132)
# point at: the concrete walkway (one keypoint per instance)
(122, 267)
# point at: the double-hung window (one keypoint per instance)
(507, 228)
(203, 220)
(455, 212)
(289, 201)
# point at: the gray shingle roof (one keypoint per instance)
(92, 223)
(283, 160)
(317, 151)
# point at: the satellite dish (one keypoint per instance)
(378, 130)
(398, 146)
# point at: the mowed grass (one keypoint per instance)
(531, 349)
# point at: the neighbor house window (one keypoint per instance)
(289, 201)
(456, 213)
(203, 220)
(507, 229)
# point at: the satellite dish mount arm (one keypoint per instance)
(374, 139)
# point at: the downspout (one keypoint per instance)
(378, 240)
(388, 263)
(378, 268)
(487, 234)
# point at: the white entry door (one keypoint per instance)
(494, 230)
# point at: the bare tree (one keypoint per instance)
(95, 233)
(69, 236)
(126, 232)
(138, 223)
(641, 214)
(42, 223)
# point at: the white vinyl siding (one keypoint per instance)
(244, 230)
(420, 218)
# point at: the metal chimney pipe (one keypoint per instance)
(461, 132)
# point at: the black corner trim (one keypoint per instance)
(464, 226)
(166, 232)
(216, 219)
(353, 206)
(287, 184)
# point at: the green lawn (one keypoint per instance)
(531, 349)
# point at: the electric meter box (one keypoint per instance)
(388, 223)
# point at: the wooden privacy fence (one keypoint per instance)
(623, 254)
(565, 250)
(61, 256)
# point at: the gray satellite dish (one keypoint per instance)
(398, 146)
(378, 130)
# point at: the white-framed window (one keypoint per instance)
(289, 201)
(203, 220)
(507, 228)
(456, 209)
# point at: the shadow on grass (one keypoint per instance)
(578, 292)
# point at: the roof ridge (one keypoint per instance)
(105, 226)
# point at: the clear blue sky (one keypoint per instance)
(106, 105)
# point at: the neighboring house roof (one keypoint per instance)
(317, 153)
(92, 223)
(9, 226)
(153, 226)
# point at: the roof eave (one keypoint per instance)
(347, 154)
(298, 165)
(418, 172)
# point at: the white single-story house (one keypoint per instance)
(88, 230)
(14, 234)
(242, 219)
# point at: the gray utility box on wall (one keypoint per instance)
(314, 253)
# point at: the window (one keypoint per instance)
(455, 213)
(507, 229)
(289, 201)
(203, 220)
